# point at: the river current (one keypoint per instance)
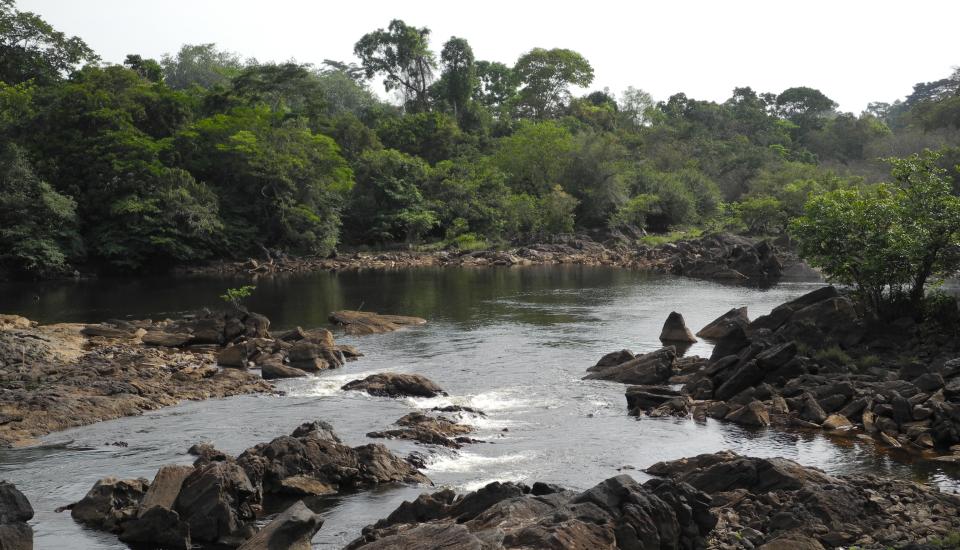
(513, 342)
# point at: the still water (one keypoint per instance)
(513, 342)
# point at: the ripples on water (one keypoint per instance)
(511, 342)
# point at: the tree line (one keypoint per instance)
(203, 154)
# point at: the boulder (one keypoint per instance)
(256, 326)
(655, 367)
(215, 502)
(754, 414)
(165, 487)
(641, 399)
(235, 356)
(157, 526)
(722, 326)
(165, 339)
(273, 369)
(613, 359)
(837, 422)
(390, 384)
(15, 512)
(675, 329)
(110, 502)
(291, 530)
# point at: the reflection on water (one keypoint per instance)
(513, 342)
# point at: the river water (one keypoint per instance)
(513, 342)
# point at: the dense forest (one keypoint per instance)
(203, 154)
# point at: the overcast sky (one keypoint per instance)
(855, 51)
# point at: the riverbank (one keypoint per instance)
(720, 257)
(54, 377)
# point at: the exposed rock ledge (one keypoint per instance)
(721, 501)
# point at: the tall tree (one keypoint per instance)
(402, 54)
(496, 84)
(31, 49)
(547, 76)
(200, 65)
(459, 77)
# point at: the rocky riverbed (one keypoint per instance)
(721, 257)
(53, 377)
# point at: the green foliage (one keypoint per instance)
(37, 235)
(32, 50)
(386, 204)
(402, 54)
(762, 215)
(886, 241)
(201, 65)
(431, 136)
(535, 157)
(557, 211)
(235, 296)
(833, 354)
(546, 76)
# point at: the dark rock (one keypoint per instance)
(643, 398)
(721, 327)
(165, 339)
(110, 502)
(811, 410)
(744, 377)
(755, 414)
(731, 344)
(776, 356)
(675, 329)
(655, 367)
(214, 501)
(613, 358)
(158, 526)
(391, 384)
(15, 512)
(291, 530)
(256, 326)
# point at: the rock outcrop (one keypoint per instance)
(368, 322)
(776, 503)
(617, 513)
(428, 429)
(15, 512)
(655, 367)
(391, 384)
(216, 502)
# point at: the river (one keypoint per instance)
(513, 342)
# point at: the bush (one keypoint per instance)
(762, 215)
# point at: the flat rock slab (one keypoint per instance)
(368, 322)
(390, 384)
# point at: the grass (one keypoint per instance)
(671, 237)
(833, 354)
(869, 362)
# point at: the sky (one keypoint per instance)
(855, 51)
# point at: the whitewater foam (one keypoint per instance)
(469, 462)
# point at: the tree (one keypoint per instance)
(386, 204)
(146, 68)
(546, 76)
(886, 241)
(200, 65)
(402, 54)
(431, 136)
(535, 157)
(459, 77)
(31, 49)
(557, 211)
(762, 215)
(634, 104)
(280, 184)
(37, 236)
(805, 107)
(496, 84)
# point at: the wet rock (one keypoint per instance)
(365, 322)
(15, 512)
(110, 502)
(651, 368)
(837, 422)
(291, 530)
(315, 453)
(614, 358)
(675, 329)
(722, 326)
(755, 414)
(641, 399)
(730, 344)
(158, 526)
(430, 430)
(391, 384)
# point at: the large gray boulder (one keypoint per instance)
(675, 330)
(15, 512)
(655, 367)
(291, 530)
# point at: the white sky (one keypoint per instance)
(855, 51)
